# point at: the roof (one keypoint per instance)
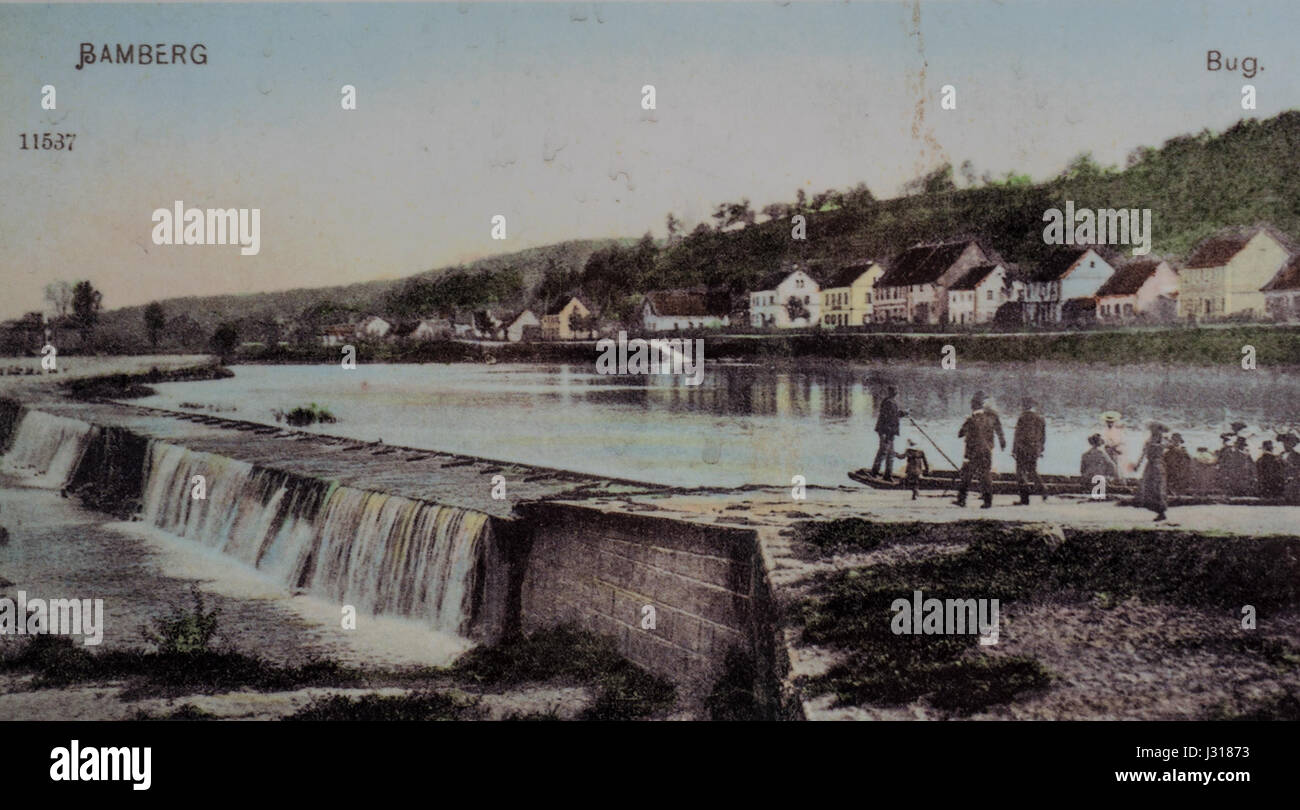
(772, 279)
(1079, 305)
(1288, 278)
(1219, 249)
(338, 329)
(1059, 261)
(972, 277)
(849, 273)
(923, 264)
(558, 306)
(521, 313)
(681, 302)
(1127, 280)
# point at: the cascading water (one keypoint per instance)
(47, 448)
(383, 553)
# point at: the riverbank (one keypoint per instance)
(765, 600)
(1215, 346)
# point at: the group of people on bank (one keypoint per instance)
(1164, 465)
(981, 431)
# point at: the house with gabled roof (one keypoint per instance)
(1067, 273)
(1282, 293)
(1142, 289)
(668, 310)
(976, 295)
(517, 326)
(789, 298)
(848, 297)
(568, 319)
(1225, 275)
(915, 286)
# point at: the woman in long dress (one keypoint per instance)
(1154, 480)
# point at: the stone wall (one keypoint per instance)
(707, 584)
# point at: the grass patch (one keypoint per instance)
(418, 706)
(58, 662)
(850, 609)
(567, 654)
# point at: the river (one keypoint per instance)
(745, 424)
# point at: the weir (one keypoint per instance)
(415, 534)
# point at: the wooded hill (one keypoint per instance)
(1194, 185)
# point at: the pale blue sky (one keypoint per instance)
(533, 111)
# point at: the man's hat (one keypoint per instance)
(979, 398)
(1238, 427)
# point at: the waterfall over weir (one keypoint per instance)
(46, 449)
(382, 553)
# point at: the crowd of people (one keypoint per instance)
(1164, 466)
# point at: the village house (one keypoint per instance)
(976, 295)
(463, 325)
(915, 287)
(569, 319)
(1144, 289)
(1226, 273)
(790, 299)
(517, 327)
(337, 334)
(1282, 293)
(1068, 273)
(430, 329)
(668, 310)
(373, 327)
(847, 298)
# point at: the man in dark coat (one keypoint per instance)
(980, 429)
(1026, 447)
(1178, 466)
(1270, 471)
(887, 430)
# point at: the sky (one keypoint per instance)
(533, 111)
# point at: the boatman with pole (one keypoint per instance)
(887, 431)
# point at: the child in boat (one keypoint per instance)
(917, 465)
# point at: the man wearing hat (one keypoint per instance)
(1291, 465)
(980, 429)
(887, 430)
(1026, 447)
(1271, 473)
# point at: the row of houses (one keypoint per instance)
(568, 319)
(1250, 273)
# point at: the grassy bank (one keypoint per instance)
(849, 610)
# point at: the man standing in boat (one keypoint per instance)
(1027, 447)
(887, 431)
(980, 429)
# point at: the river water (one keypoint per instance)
(745, 424)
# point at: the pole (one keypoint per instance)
(932, 441)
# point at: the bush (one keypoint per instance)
(184, 632)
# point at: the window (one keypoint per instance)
(990, 296)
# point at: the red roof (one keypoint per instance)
(1128, 279)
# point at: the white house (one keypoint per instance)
(516, 325)
(976, 295)
(790, 299)
(373, 327)
(432, 329)
(1145, 289)
(1066, 274)
(667, 310)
